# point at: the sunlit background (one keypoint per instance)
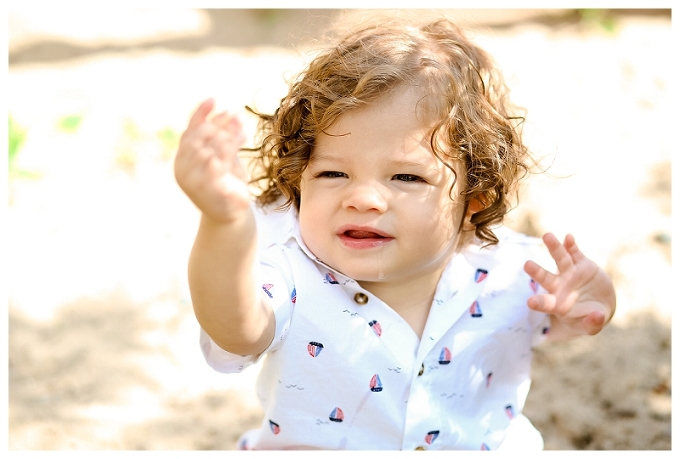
(103, 345)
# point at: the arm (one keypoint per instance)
(580, 298)
(222, 265)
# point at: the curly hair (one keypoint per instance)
(471, 117)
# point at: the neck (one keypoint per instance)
(410, 299)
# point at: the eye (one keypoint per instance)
(331, 174)
(407, 178)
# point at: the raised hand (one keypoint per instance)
(580, 298)
(207, 168)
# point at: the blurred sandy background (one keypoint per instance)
(103, 345)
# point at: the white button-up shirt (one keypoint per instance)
(345, 371)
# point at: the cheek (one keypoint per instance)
(308, 229)
(443, 228)
(438, 221)
(306, 202)
(449, 219)
(305, 217)
(311, 218)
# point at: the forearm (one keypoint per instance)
(223, 283)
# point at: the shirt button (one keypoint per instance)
(419, 448)
(360, 298)
(422, 369)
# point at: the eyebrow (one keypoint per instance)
(321, 157)
(401, 163)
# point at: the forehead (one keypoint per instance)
(400, 113)
(401, 121)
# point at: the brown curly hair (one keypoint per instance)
(471, 119)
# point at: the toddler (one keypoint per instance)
(391, 308)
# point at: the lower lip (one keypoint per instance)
(366, 243)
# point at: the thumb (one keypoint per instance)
(593, 323)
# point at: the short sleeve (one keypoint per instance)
(537, 251)
(276, 282)
(516, 249)
(540, 323)
(221, 360)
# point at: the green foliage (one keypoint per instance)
(599, 17)
(169, 139)
(16, 136)
(268, 17)
(127, 155)
(131, 130)
(70, 123)
(136, 144)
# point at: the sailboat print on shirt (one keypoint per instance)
(336, 415)
(475, 310)
(314, 348)
(376, 327)
(480, 275)
(431, 436)
(375, 384)
(445, 356)
(267, 289)
(330, 279)
(534, 286)
(510, 411)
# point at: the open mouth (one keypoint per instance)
(363, 238)
(358, 234)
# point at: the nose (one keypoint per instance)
(365, 197)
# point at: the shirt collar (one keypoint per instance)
(283, 227)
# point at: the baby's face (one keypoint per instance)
(375, 202)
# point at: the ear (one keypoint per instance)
(474, 206)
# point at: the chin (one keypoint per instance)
(363, 274)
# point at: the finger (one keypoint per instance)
(224, 119)
(545, 278)
(220, 120)
(226, 144)
(558, 252)
(228, 122)
(594, 322)
(572, 248)
(201, 113)
(194, 140)
(542, 303)
(232, 124)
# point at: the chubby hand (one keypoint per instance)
(580, 298)
(206, 166)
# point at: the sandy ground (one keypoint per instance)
(103, 351)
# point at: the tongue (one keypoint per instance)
(362, 234)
